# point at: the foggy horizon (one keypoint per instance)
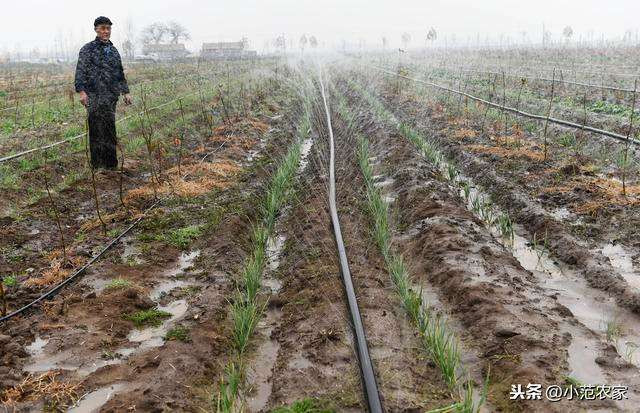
(356, 22)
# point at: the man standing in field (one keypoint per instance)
(99, 81)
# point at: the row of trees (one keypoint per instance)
(159, 32)
(432, 36)
(155, 33)
(280, 42)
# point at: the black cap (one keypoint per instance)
(101, 20)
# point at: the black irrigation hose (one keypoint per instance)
(561, 122)
(52, 292)
(366, 368)
(80, 271)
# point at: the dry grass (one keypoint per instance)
(58, 270)
(507, 152)
(241, 126)
(56, 393)
(241, 142)
(108, 219)
(464, 133)
(602, 191)
(202, 178)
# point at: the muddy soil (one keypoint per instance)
(312, 353)
(407, 381)
(306, 350)
(581, 187)
(84, 333)
(31, 246)
(604, 247)
(510, 321)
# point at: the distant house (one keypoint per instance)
(225, 50)
(165, 51)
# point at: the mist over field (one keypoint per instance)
(320, 207)
(59, 27)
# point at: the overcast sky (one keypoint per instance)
(36, 23)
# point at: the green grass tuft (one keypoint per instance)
(304, 406)
(152, 317)
(182, 237)
(179, 333)
(117, 283)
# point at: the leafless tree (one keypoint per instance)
(154, 33)
(281, 42)
(127, 49)
(567, 33)
(176, 31)
(303, 42)
(406, 38)
(313, 42)
(128, 46)
(385, 42)
(432, 35)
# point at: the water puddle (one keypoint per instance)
(259, 375)
(589, 306)
(380, 181)
(131, 254)
(92, 402)
(299, 362)
(165, 287)
(151, 337)
(262, 363)
(304, 154)
(75, 358)
(36, 348)
(593, 309)
(185, 261)
(561, 213)
(582, 367)
(71, 359)
(274, 249)
(622, 261)
(96, 284)
(45, 363)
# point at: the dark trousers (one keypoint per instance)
(102, 131)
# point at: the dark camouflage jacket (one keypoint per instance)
(99, 70)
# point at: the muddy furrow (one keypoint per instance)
(406, 380)
(84, 336)
(315, 357)
(515, 327)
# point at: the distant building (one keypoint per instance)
(165, 51)
(225, 50)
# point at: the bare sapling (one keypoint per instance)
(3, 298)
(504, 104)
(224, 105)
(56, 212)
(460, 95)
(147, 136)
(203, 106)
(491, 94)
(178, 141)
(523, 82)
(625, 157)
(546, 122)
(580, 134)
(121, 180)
(93, 180)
